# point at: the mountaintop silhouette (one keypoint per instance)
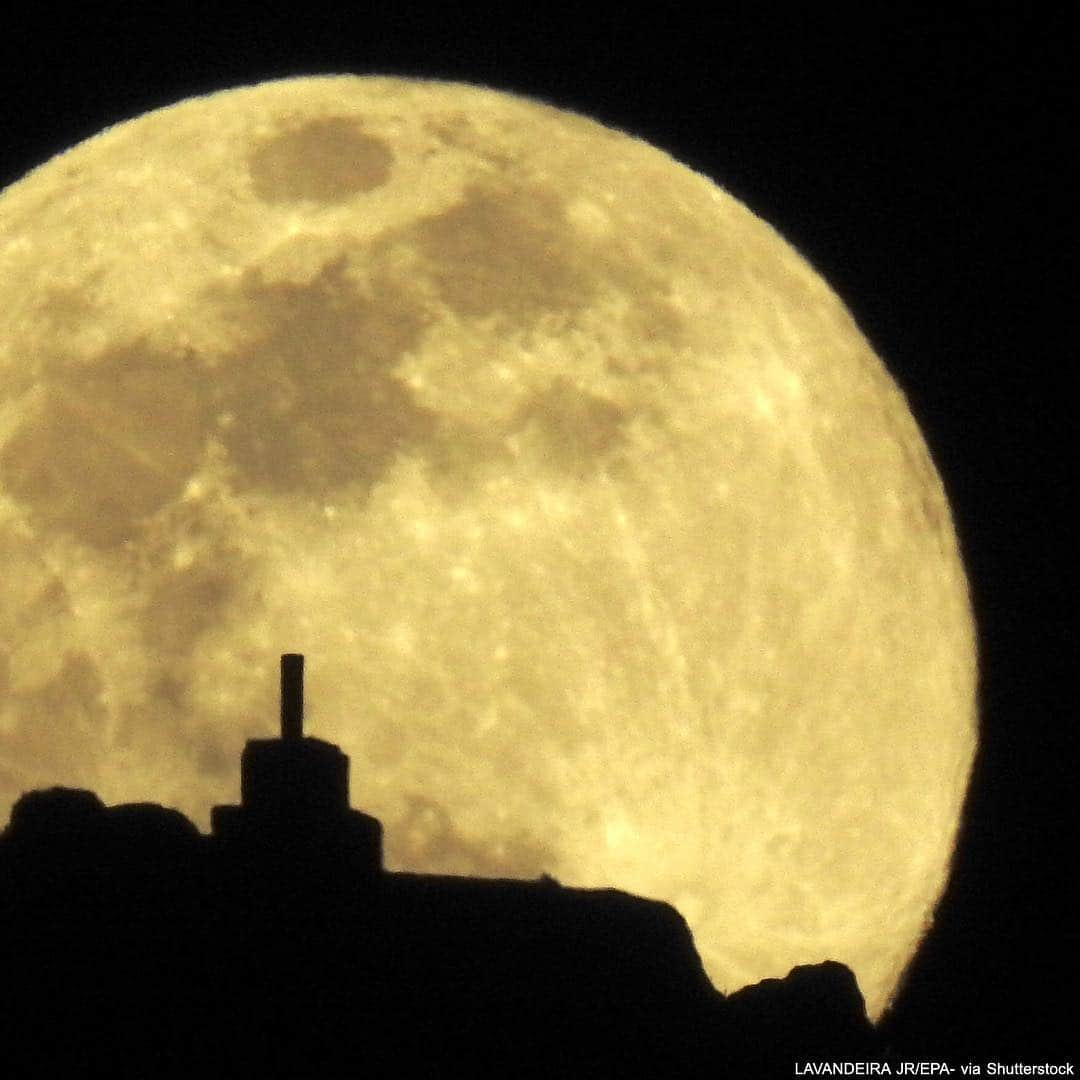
(279, 946)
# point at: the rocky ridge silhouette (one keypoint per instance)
(279, 946)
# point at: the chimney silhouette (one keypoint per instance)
(295, 790)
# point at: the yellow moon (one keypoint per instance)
(615, 551)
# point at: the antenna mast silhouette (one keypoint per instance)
(292, 696)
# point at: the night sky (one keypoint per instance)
(918, 161)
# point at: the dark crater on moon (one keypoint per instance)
(328, 159)
(503, 252)
(513, 251)
(311, 403)
(321, 404)
(105, 446)
(569, 428)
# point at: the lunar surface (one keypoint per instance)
(615, 552)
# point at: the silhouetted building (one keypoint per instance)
(295, 790)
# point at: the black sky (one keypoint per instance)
(918, 160)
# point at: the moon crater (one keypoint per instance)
(325, 160)
(316, 392)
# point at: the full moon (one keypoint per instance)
(615, 551)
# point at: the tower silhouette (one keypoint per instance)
(294, 790)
